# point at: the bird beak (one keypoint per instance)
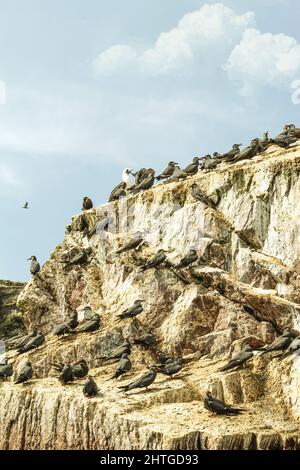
(29, 259)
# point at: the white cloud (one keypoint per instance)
(118, 56)
(190, 41)
(264, 59)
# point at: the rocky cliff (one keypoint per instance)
(10, 319)
(244, 290)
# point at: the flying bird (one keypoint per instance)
(26, 205)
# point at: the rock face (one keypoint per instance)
(10, 320)
(243, 290)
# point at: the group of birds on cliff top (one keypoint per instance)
(165, 364)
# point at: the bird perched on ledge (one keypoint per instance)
(34, 265)
(34, 343)
(281, 343)
(90, 325)
(154, 262)
(6, 370)
(238, 359)
(146, 183)
(230, 156)
(218, 407)
(124, 365)
(124, 348)
(190, 258)
(66, 374)
(87, 204)
(117, 192)
(132, 244)
(90, 388)
(192, 169)
(168, 171)
(171, 368)
(142, 382)
(25, 373)
(133, 311)
(293, 348)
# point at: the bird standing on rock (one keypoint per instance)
(124, 348)
(146, 182)
(66, 374)
(123, 366)
(280, 344)
(147, 340)
(296, 130)
(6, 370)
(238, 359)
(90, 325)
(218, 407)
(249, 152)
(87, 204)
(133, 311)
(190, 258)
(168, 171)
(25, 373)
(178, 174)
(80, 369)
(171, 368)
(132, 244)
(142, 382)
(154, 262)
(117, 192)
(200, 196)
(67, 326)
(34, 343)
(230, 156)
(34, 265)
(192, 169)
(90, 388)
(293, 348)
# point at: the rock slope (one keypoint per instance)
(244, 290)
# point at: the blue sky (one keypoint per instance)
(96, 86)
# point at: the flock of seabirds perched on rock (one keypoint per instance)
(169, 365)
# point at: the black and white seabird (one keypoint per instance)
(133, 311)
(34, 265)
(25, 373)
(90, 388)
(66, 374)
(124, 348)
(293, 348)
(281, 343)
(26, 205)
(142, 382)
(218, 407)
(87, 204)
(34, 343)
(154, 262)
(192, 169)
(168, 171)
(190, 258)
(90, 325)
(132, 244)
(124, 365)
(238, 359)
(117, 192)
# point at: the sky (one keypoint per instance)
(90, 87)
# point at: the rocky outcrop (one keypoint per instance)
(243, 290)
(10, 320)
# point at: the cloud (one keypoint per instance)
(263, 59)
(191, 41)
(8, 176)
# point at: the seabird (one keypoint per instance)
(146, 182)
(140, 175)
(124, 348)
(219, 407)
(87, 204)
(285, 140)
(264, 142)
(200, 196)
(90, 388)
(168, 171)
(117, 192)
(132, 244)
(34, 265)
(6, 370)
(190, 258)
(281, 343)
(80, 369)
(142, 382)
(193, 167)
(209, 163)
(34, 343)
(293, 348)
(163, 358)
(79, 258)
(26, 205)
(67, 326)
(147, 340)
(20, 342)
(133, 311)
(238, 359)
(124, 365)
(171, 368)
(249, 152)
(295, 129)
(229, 156)
(154, 262)
(25, 373)
(126, 177)
(179, 174)
(66, 374)
(90, 325)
